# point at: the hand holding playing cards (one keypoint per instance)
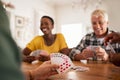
(43, 57)
(112, 38)
(29, 59)
(44, 71)
(87, 53)
(40, 55)
(100, 52)
(62, 60)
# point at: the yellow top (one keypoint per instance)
(39, 43)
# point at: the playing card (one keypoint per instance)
(35, 61)
(35, 53)
(38, 52)
(62, 60)
(83, 61)
(111, 48)
(92, 47)
(80, 68)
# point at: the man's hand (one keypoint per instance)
(87, 53)
(100, 52)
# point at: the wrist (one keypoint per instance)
(31, 77)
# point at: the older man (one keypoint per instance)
(92, 44)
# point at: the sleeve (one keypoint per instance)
(9, 54)
(62, 42)
(10, 62)
(33, 43)
(78, 49)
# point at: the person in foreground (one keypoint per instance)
(49, 42)
(113, 38)
(92, 44)
(10, 60)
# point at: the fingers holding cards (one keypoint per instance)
(92, 48)
(40, 55)
(36, 53)
(62, 60)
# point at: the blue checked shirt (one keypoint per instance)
(91, 40)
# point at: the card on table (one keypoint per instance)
(62, 60)
(80, 68)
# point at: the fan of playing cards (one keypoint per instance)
(62, 60)
(39, 52)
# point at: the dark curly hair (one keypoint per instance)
(48, 18)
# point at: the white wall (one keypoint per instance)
(31, 11)
(68, 15)
(114, 14)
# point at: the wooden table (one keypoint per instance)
(98, 71)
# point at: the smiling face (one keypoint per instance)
(99, 20)
(99, 25)
(46, 26)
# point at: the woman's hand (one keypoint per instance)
(43, 56)
(29, 59)
(44, 71)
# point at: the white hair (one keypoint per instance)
(100, 12)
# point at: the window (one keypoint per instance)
(73, 33)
